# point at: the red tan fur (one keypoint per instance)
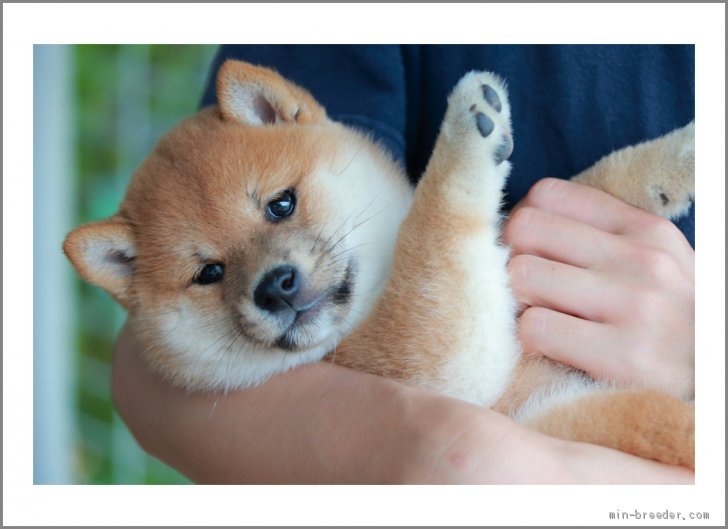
(618, 419)
(406, 285)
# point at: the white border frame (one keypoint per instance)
(25, 25)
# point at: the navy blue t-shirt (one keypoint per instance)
(570, 104)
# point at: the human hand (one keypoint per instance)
(605, 287)
(327, 424)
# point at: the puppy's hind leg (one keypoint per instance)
(645, 423)
(445, 320)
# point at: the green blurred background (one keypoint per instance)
(98, 110)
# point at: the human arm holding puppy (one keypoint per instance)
(323, 423)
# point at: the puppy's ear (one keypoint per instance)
(103, 254)
(257, 96)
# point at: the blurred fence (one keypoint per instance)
(98, 110)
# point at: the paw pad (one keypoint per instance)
(504, 150)
(491, 96)
(484, 123)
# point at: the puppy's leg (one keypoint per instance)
(648, 424)
(445, 320)
(657, 175)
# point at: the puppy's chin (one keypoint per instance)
(294, 341)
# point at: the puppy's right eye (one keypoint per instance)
(211, 273)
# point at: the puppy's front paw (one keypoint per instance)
(657, 175)
(672, 190)
(477, 123)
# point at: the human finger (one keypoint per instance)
(583, 203)
(545, 234)
(569, 340)
(545, 283)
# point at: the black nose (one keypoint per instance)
(276, 290)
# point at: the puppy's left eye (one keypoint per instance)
(281, 206)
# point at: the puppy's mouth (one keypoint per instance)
(306, 330)
(308, 312)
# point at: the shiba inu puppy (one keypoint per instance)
(260, 235)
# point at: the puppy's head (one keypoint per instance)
(255, 237)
